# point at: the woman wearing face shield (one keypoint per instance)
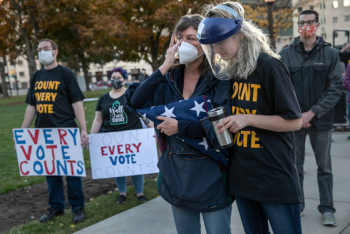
(265, 111)
(189, 194)
(111, 116)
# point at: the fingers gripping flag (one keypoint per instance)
(193, 109)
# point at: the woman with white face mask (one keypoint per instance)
(262, 172)
(190, 195)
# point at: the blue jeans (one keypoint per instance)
(56, 192)
(188, 221)
(137, 180)
(284, 217)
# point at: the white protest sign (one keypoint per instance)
(49, 151)
(124, 153)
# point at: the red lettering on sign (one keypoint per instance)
(36, 137)
(20, 167)
(27, 155)
(137, 147)
(52, 147)
(127, 148)
(62, 135)
(71, 165)
(111, 151)
(53, 167)
(102, 151)
(119, 151)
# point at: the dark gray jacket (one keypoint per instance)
(316, 79)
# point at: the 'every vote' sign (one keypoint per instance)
(49, 151)
(124, 153)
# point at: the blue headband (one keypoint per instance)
(214, 30)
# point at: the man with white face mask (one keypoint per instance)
(315, 73)
(55, 99)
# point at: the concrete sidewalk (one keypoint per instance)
(155, 216)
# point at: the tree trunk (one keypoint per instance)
(3, 80)
(86, 72)
(30, 52)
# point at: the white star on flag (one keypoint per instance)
(198, 108)
(204, 143)
(168, 113)
(144, 115)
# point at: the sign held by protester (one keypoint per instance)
(49, 151)
(124, 153)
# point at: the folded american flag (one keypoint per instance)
(193, 109)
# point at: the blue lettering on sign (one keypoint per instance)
(121, 159)
(115, 160)
(46, 135)
(42, 152)
(18, 136)
(127, 158)
(39, 172)
(132, 158)
(81, 167)
(63, 168)
(74, 135)
(63, 147)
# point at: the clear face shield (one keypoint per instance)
(214, 34)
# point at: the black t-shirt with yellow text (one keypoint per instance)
(52, 92)
(115, 116)
(262, 167)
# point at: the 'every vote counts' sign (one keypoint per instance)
(49, 151)
(124, 153)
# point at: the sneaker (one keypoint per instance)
(301, 213)
(79, 215)
(348, 138)
(121, 199)
(328, 219)
(142, 198)
(52, 213)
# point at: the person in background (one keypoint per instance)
(112, 116)
(65, 104)
(143, 76)
(315, 74)
(347, 87)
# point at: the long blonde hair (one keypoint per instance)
(250, 47)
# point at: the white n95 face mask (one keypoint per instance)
(187, 53)
(45, 57)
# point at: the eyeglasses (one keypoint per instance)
(44, 49)
(308, 22)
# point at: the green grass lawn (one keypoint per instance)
(97, 210)
(11, 116)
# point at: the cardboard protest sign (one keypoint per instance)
(124, 153)
(49, 151)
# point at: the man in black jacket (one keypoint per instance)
(315, 74)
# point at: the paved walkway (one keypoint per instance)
(155, 216)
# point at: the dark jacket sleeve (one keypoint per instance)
(332, 94)
(347, 79)
(146, 94)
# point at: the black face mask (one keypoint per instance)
(117, 84)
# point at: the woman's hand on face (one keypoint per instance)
(170, 55)
(169, 125)
(233, 122)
